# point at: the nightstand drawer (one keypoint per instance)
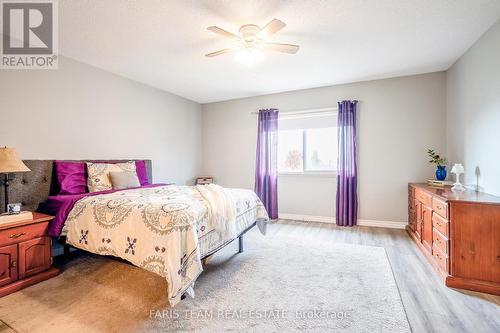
(8, 264)
(34, 256)
(20, 234)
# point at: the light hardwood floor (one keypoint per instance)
(430, 306)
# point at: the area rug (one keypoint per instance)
(276, 285)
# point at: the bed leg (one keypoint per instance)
(240, 244)
(66, 251)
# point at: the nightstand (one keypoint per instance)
(25, 253)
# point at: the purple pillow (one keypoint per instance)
(71, 177)
(142, 173)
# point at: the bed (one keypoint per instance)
(165, 229)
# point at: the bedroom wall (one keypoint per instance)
(474, 112)
(398, 120)
(82, 112)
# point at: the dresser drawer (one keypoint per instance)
(440, 207)
(440, 258)
(440, 241)
(20, 234)
(418, 229)
(440, 224)
(424, 197)
(411, 221)
(411, 193)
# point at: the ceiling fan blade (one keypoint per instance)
(216, 53)
(222, 32)
(271, 28)
(286, 48)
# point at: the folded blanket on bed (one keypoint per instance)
(222, 211)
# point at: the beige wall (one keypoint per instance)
(473, 129)
(81, 112)
(399, 119)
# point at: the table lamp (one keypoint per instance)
(10, 163)
(457, 170)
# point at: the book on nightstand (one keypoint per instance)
(434, 182)
(22, 216)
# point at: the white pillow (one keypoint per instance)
(123, 180)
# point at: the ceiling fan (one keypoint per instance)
(252, 40)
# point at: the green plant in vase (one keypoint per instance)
(440, 163)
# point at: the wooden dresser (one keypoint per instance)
(25, 253)
(459, 233)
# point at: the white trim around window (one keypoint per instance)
(326, 174)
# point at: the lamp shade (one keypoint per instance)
(458, 168)
(10, 162)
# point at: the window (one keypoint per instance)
(321, 149)
(290, 151)
(306, 145)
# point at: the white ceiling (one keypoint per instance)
(162, 42)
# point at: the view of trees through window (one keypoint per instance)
(302, 150)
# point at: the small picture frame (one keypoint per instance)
(13, 208)
(204, 180)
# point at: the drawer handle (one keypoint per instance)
(17, 235)
(13, 264)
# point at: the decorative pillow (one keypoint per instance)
(122, 180)
(98, 174)
(71, 177)
(142, 173)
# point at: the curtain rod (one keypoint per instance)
(318, 110)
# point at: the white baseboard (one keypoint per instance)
(307, 218)
(382, 224)
(329, 219)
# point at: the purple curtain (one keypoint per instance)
(347, 196)
(266, 168)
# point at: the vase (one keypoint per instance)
(441, 172)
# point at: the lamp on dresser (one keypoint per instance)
(458, 169)
(10, 163)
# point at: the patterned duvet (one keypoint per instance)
(165, 229)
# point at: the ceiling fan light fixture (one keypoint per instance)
(251, 40)
(249, 56)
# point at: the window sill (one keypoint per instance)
(326, 174)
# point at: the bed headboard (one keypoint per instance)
(33, 187)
